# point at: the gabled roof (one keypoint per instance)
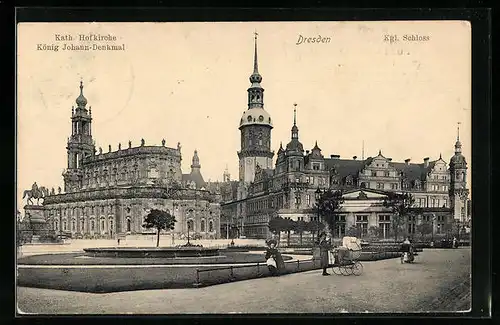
(195, 177)
(345, 167)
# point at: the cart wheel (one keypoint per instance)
(357, 268)
(336, 270)
(344, 270)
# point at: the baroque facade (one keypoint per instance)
(288, 188)
(109, 193)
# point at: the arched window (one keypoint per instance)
(64, 225)
(92, 225)
(102, 225)
(73, 225)
(210, 226)
(56, 225)
(202, 226)
(128, 225)
(82, 228)
(190, 225)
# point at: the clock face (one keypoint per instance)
(249, 161)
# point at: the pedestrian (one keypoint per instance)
(455, 242)
(274, 260)
(324, 249)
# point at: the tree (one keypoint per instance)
(353, 231)
(315, 226)
(276, 226)
(300, 227)
(328, 204)
(424, 228)
(288, 226)
(400, 206)
(375, 232)
(160, 220)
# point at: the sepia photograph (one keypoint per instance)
(243, 167)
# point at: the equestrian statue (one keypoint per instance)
(35, 193)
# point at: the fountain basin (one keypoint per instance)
(152, 252)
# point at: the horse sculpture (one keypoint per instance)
(35, 193)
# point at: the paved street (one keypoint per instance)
(437, 281)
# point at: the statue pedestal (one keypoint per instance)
(37, 222)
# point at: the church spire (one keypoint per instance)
(295, 129)
(458, 144)
(255, 92)
(255, 61)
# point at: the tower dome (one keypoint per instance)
(81, 101)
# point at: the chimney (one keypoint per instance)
(335, 156)
(407, 161)
(354, 157)
(426, 162)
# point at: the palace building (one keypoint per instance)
(109, 193)
(288, 187)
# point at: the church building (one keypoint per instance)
(110, 193)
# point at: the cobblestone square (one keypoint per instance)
(438, 281)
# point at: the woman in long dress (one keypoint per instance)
(274, 260)
(324, 249)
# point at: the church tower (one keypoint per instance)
(80, 144)
(458, 184)
(255, 127)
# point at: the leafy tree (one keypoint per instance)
(160, 220)
(314, 227)
(328, 204)
(299, 227)
(424, 228)
(400, 206)
(353, 231)
(288, 226)
(276, 226)
(375, 232)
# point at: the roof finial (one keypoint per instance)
(379, 152)
(255, 63)
(363, 150)
(440, 157)
(458, 131)
(294, 113)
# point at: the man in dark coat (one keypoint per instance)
(324, 249)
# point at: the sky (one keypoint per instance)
(187, 83)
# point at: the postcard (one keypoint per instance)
(243, 167)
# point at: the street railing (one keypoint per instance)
(253, 270)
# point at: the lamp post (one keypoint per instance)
(317, 195)
(433, 219)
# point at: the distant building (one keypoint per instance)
(287, 188)
(109, 193)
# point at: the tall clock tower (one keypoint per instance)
(458, 183)
(255, 127)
